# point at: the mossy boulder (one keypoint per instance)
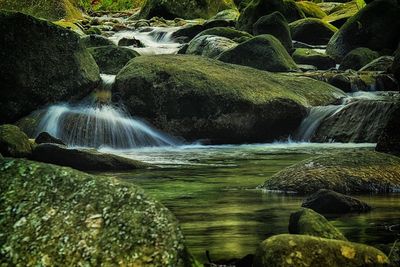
(209, 46)
(227, 14)
(312, 57)
(229, 33)
(311, 9)
(330, 202)
(343, 172)
(189, 31)
(200, 98)
(308, 222)
(383, 64)
(376, 27)
(389, 139)
(312, 31)
(274, 24)
(40, 63)
(303, 250)
(95, 40)
(263, 52)
(14, 142)
(339, 13)
(358, 58)
(186, 9)
(396, 64)
(111, 59)
(56, 216)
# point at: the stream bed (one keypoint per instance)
(212, 190)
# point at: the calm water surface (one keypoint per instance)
(212, 191)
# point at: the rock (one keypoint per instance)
(312, 57)
(200, 98)
(396, 64)
(93, 31)
(358, 58)
(212, 23)
(330, 202)
(291, 11)
(130, 42)
(209, 46)
(339, 13)
(46, 138)
(376, 27)
(52, 66)
(85, 219)
(303, 250)
(94, 40)
(189, 31)
(383, 64)
(308, 222)
(263, 52)
(186, 9)
(389, 139)
(111, 59)
(227, 14)
(226, 32)
(311, 9)
(344, 172)
(276, 25)
(14, 142)
(83, 159)
(312, 31)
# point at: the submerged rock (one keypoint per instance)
(344, 172)
(303, 250)
(358, 58)
(330, 202)
(389, 139)
(200, 98)
(209, 45)
(14, 142)
(312, 31)
(40, 63)
(83, 159)
(56, 216)
(46, 138)
(308, 222)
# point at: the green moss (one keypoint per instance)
(312, 31)
(311, 9)
(225, 32)
(116, 5)
(312, 57)
(14, 142)
(358, 58)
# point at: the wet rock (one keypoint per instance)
(46, 138)
(93, 31)
(200, 98)
(330, 202)
(396, 64)
(263, 52)
(312, 31)
(376, 27)
(212, 23)
(93, 220)
(344, 172)
(389, 139)
(83, 159)
(130, 42)
(94, 40)
(111, 59)
(276, 25)
(383, 64)
(339, 13)
(189, 31)
(311, 9)
(52, 66)
(312, 57)
(227, 14)
(303, 250)
(358, 58)
(14, 142)
(226, 32)
(308, 222)
(209, 46)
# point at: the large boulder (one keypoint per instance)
(200, 98)
(14, 142)
(56, 216)
(358, 58)
(46, 138)
(263, 52)
(344, 172)
(311, 57)
(303, 250)
(383, 64)
(308, 222)
(209, 45)
(83, 159)
(376, 27)
(312, 31)
(95, 40)
(40, 63)
(331, 202)
(274, 24)
(186, 9)
(229, 33)
(389, 139)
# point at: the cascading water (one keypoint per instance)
(100, 125)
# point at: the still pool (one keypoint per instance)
(212, 190)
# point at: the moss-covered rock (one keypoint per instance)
(330, 202)
(95, 40)
(383, 64)
(339, 13)
(14, 142)
(311, 9)
(46, 138)
(376, 27)
(303, 250)
(113, 5)
(229, 33)
(56, 216)
(111, 59)
(396, 64)
(308, 222)
(186, 9)
(312, 31)
(189, 31)
(40, 63)
(227, 14)
(312, 57)
(389, 139)
(200, 98)
(274, 24)
(209, 46)
(358, 58)
(344, 172)
(263, 52)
